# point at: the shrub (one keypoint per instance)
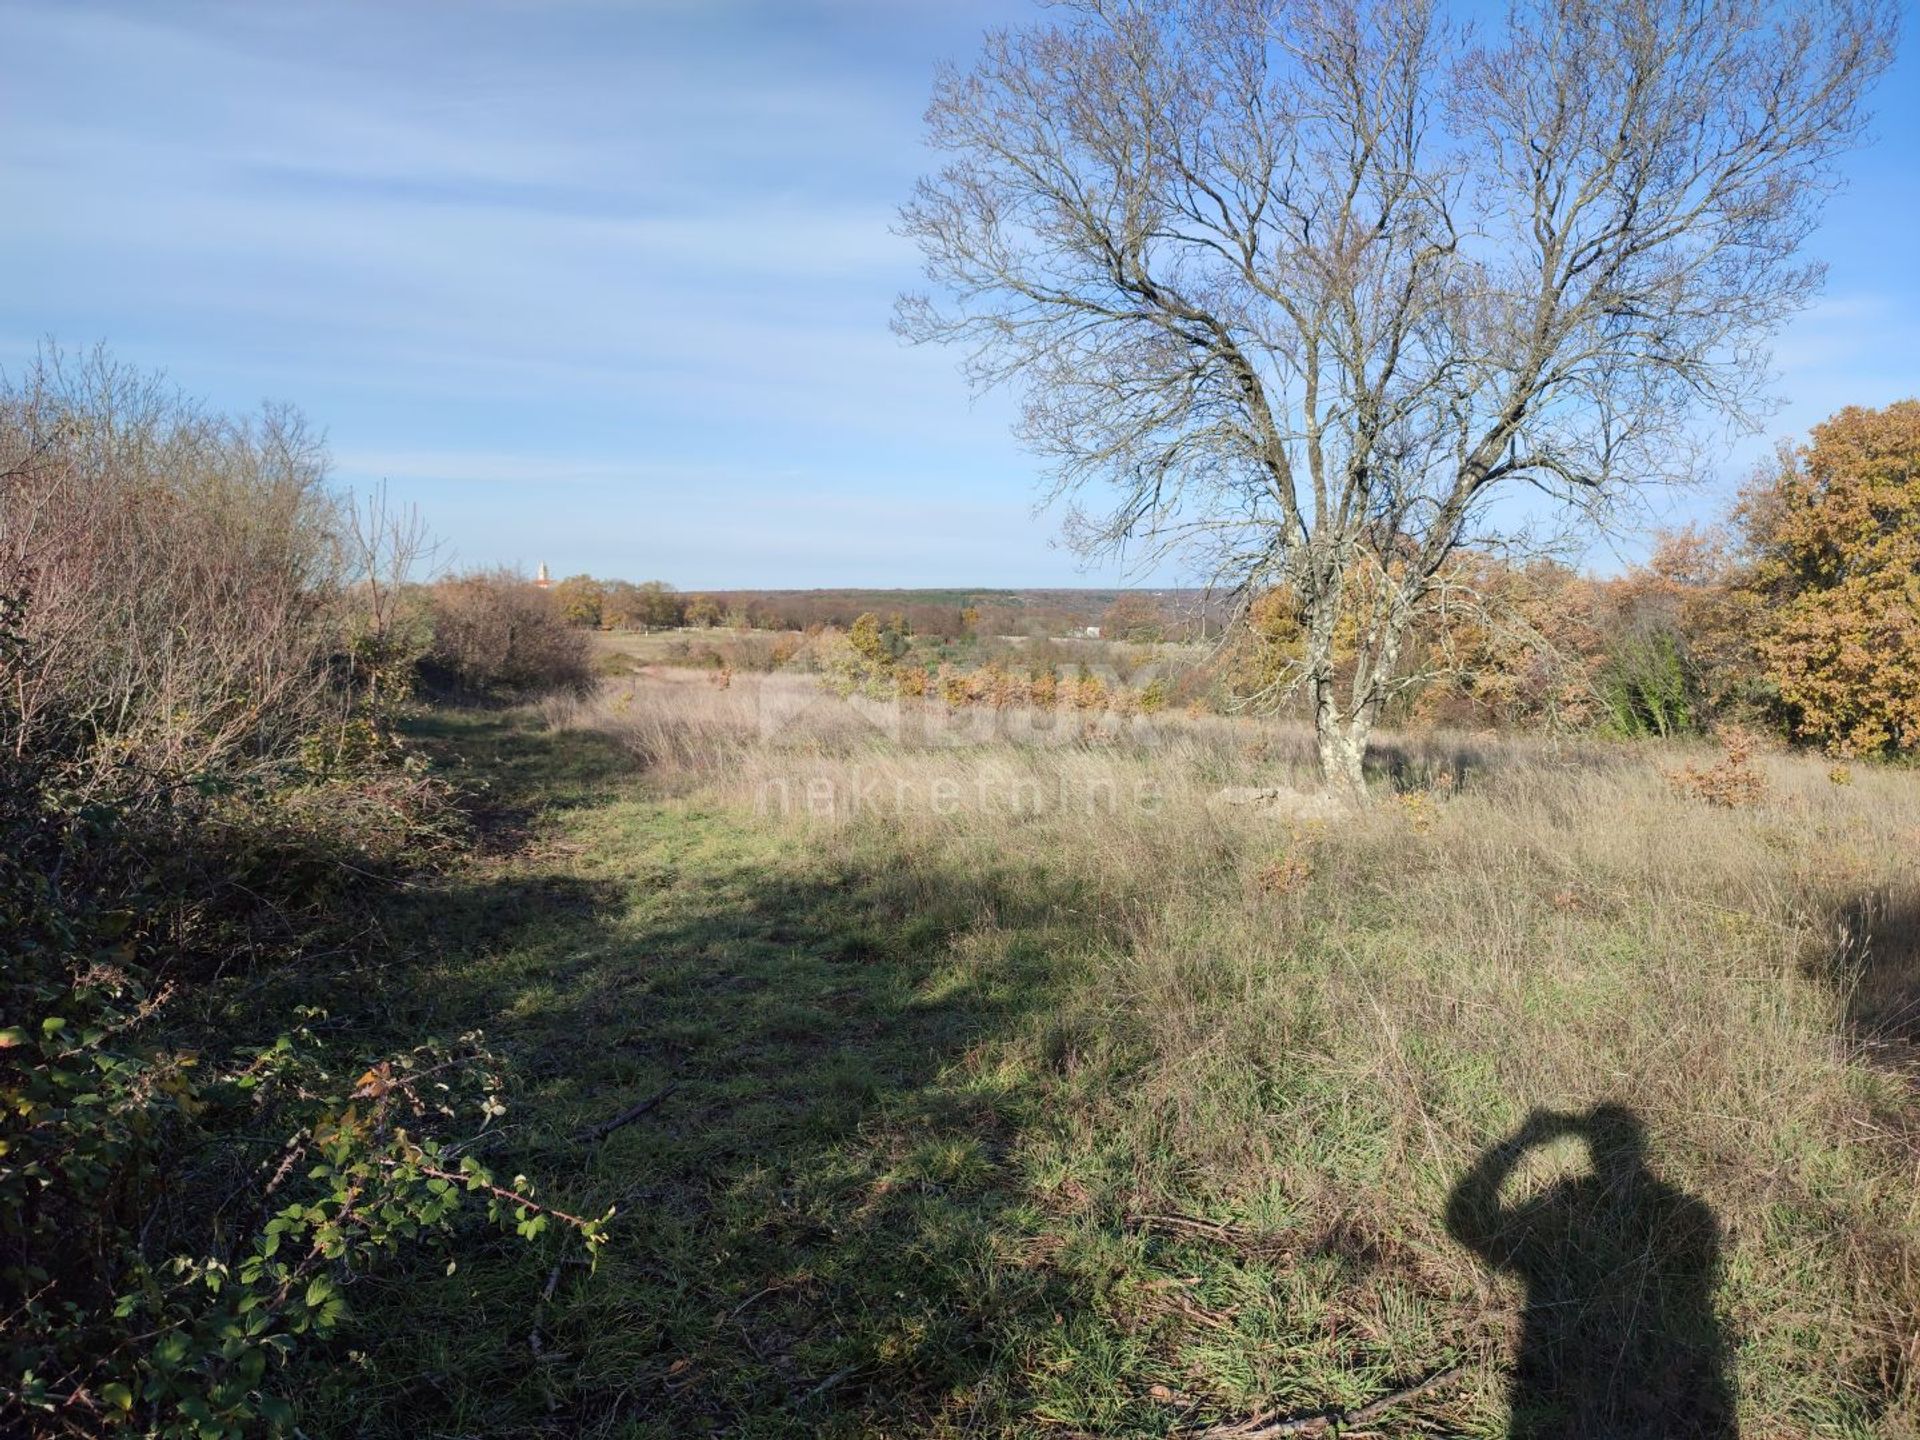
(1646, 686)
(953, 686)
(994, 686)
(184, 570)
(879, 643)
(193, 761)
(863, 659)
(1732, 781)
(1088, 692)
(496, 635)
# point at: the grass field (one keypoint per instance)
(622, 652)
(1021, 1087)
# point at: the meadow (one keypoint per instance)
(990, 1073)
(625, 652)
(440, 1001)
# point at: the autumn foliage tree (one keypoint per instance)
(1835, 534)
(582, 600)
(1135, 617)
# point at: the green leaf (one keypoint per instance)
(275, 1410)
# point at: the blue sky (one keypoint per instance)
(607, 284)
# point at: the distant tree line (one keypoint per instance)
(1798, 614)
(593, 603)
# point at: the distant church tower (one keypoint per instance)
(542, 581)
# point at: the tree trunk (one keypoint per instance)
(1341, 734)
(1343, 750)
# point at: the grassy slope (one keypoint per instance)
(775, 1228)
(977, 1134)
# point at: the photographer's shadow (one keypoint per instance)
(1620, 1338)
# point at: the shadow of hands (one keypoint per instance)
(1619, 1335)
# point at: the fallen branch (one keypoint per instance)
(1330, 1422)
(825, 1385)
(1215, 1229)
(596, 1133)
(1239, 1237)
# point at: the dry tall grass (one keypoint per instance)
(1288, 1023)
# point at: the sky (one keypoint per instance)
(607, 285)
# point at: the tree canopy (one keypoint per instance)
(1300, 288)
(1836, 536)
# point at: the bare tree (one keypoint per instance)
(387, 544)
(1314, 283)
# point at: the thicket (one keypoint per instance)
(494, 635)
(198, 789)
(1799, 618)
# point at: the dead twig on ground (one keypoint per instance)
(1330, 1422)
(596, 1133)
(824, 1386)
(546, 1293)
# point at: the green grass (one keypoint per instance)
(846, 1219)
(821, 1197)
(971, 1136)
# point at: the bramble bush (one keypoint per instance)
(198, 779)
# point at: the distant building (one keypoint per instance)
(1093, 632)
(542, 581)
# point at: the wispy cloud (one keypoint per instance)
(578, 270)
(542, 249)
